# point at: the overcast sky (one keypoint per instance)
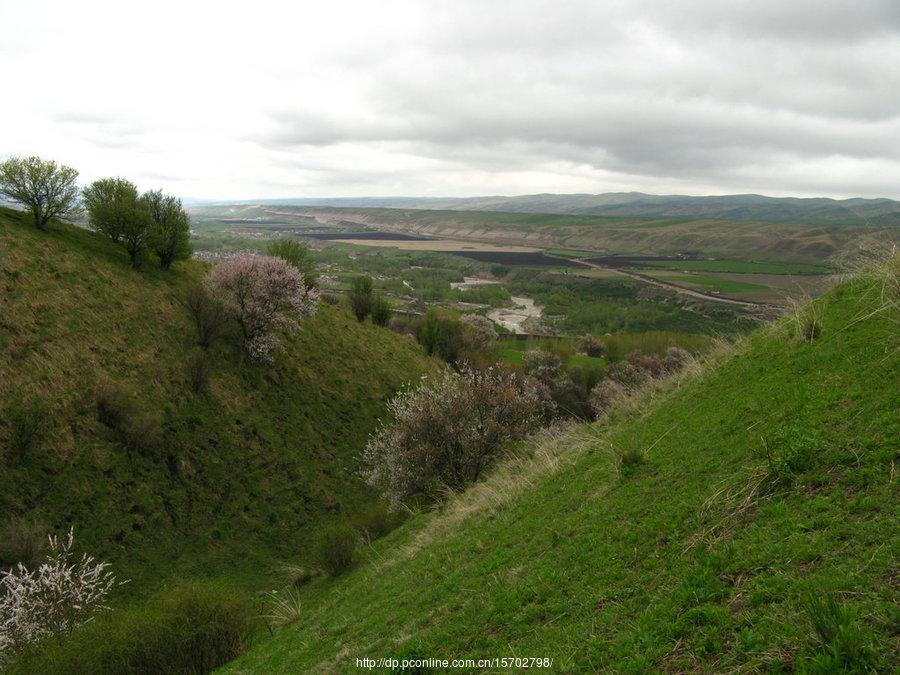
(455, 98)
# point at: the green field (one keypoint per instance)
(568, 253)
(712, 283)
(710, 554)
(737, 266)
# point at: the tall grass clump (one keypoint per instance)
(337, 548)
(189, 628)
(840, 642)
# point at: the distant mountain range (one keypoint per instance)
(749, 207)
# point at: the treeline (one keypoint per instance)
(146, 225)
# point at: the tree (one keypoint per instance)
(262, 294)
(361, 297)
(381, 311)
(207, 313)
(45, 188)
(447, 431)
(298, 255)
(171, 227)
(115, 210)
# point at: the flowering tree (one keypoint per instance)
(262, 294)
(478, 332)
(61, 594)
(446, 432)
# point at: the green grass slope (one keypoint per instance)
(241, 475)
(707, 556)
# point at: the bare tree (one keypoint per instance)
(45, 188)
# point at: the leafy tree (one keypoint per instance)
(45, 188)
(381, 311)
(171, 227)
(361, 297)
(297, 254)
(115, 209)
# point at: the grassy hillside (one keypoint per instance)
(222, 482)
(758, 532)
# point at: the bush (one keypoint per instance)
(381, 311)
(53, 599)
(627, 375)
(331, 298)
(261, 294)
(190, 628)
(441, 335)
(446, 432)
(337, 548)
(22, 541)
(361, 297)
(675, 359)
(208, 315)
(479, 333)
(27, 423)
(651, 364)
(591, 346)
(604, 395)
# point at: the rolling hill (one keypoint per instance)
(739, 207)
(216, 483)
(743, 518)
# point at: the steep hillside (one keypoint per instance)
(758, 532)
(216, 482)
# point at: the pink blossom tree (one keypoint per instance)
(262, 294)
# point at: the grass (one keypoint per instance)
(158, 475)
(569, 253)
(692, 559)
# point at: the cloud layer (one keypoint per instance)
(269, 99)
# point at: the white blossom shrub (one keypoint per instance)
(262, 294)
(56, 597)
(446, 432)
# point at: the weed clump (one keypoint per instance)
(841, 644)
(789, 452)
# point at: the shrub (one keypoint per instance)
(22, 541)
(297, 254)
(27, 423)
(478, 333)
(361, 297)
(446, 432)
(440, 335)
(53, 599)
(189, 628)
(651, 364)
(604, 395)
(627, 375)
(337, 548)
(261, 294)
(675, 359)
(331, 298)
(208, 315)
(381, 311)
(543, 365)
(115, 404)
(591, 346)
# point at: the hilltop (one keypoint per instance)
(743, 517)
(224, 482)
